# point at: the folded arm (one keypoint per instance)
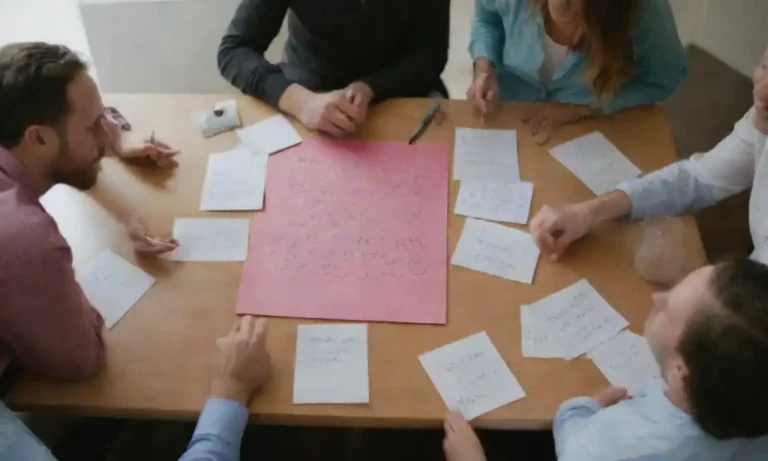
(241, 51)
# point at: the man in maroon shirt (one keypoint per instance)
(53, 131)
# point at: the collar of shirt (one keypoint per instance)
(14, 170)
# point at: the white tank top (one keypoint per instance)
(554, 55)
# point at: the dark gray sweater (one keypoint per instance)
(398, 47)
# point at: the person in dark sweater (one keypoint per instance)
(341, 55)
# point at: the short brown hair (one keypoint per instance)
(33, 87)
(726, 352)
(607, 42)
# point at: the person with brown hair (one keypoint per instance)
(709, 335)
(583, 57)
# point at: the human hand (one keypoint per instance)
(611, 396)
(545, 118)
(461, 442)
(760, 117)
(149, 152)
(483, 94)
(360, 95)
(145, 243)
(241, 363)
(330, 113)
(554, 228)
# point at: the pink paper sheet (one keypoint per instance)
(352, 231)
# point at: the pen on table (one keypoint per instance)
(424, 123)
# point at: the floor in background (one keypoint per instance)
(100, 439)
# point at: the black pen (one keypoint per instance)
(424, 123)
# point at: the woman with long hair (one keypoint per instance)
(583, 57)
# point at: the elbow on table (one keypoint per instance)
(83, 367)
(225, 57)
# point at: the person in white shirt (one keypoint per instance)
(738, 162)
(709, 335)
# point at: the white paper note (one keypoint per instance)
(497, 250)
(596, 162)
(331, 364)
(627, 361)
(211, 239)
(578, 317)
(269, 135)
(471, 376)
(537, 341)
(113, 285)
(235, 181)
(487, 155)
(506, 202)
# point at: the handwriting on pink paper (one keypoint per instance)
(353, 231)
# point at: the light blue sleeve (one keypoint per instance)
(219, 432)
(487, 36)
(661, 62)
(17, 443)
(571, 420)
(700, 181)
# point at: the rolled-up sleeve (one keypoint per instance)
(487, 35)
(241, 51)
(661, 64)
(700, 181)
(45, 320)
(219, 432)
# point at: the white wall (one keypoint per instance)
(159, 46)
(735, 31)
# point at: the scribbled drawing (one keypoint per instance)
(369, 256)
(390, 260)
(417, 267)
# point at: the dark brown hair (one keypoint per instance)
(726, 352)
(33, 87)
(607, 42)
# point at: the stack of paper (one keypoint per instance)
(331, 364)
(486, 155)
(234, 181)
(497, 250)
(269, 135)
(211, 239)
(596, 162)
(471, 376)
(506, 202)
(627, 361)
(113, 285)
(569, 323)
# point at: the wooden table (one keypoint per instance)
(159, 355)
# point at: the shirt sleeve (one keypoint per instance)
(46, 321)
(487, 35)
(571, 419)
(241, 51)
(661, 62)
(219, 432)
(700, 181)
(418, 72)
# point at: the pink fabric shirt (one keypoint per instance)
(46, 323)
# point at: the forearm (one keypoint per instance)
(571, 420)
(607, 207)
(293, 99)
(219, 432)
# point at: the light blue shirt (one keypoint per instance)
(510, 34)
(219, 432)
(646, 428)
(17, 443)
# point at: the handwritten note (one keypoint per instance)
(360, 227)
(210, 239)
(487, 155)
(113, 285)
(627, 361)
(596, 162)
(331, 364)
(578, 317)
(537, 341)
(235, 180)
(495, 201)
(497, 250)
(471, 376)
(269, 135)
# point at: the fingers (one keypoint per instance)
(352, 110)
(342, 121)
(539, 121)
(248, 325)
(457, 422)
(154, 246)
(259, 335)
